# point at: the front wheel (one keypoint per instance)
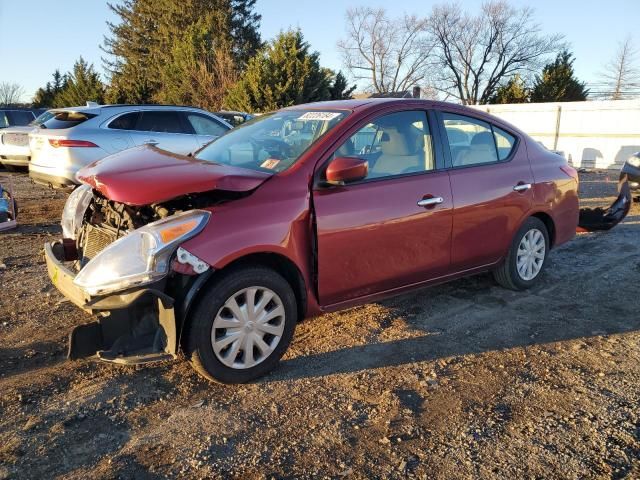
(527, 256)
(242, 325)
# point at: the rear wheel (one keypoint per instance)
(527, 256)
(242, 325)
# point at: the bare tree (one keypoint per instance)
(476, 54)
(622, 76)
(389, 54)
(10, 94)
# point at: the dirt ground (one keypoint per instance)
(464, 380)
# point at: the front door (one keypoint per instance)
(393, 228)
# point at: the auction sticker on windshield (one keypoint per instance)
(322, 116)
(270, 163)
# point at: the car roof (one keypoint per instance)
(357, 104)
(366, 103)
(5, 109)
(96, 108)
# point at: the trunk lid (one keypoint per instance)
(146, 175)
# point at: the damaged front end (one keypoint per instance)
(125, 264)
(600, 219)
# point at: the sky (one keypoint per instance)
(38, 36)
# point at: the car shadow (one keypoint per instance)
(471, 331)
(474, 316)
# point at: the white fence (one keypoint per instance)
(599, 134)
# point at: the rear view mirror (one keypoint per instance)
(343, 170)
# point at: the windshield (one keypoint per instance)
(41, 118)
(272, 142)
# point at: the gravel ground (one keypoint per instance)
(464, 380)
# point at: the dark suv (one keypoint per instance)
(13, 117)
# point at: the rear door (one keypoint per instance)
(204, 127)
(491, 183)
(373, 235)
(165, 129)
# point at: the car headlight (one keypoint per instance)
(634, 161)
(74, 210)
(140, 257)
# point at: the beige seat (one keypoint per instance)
(481, 150)
(402, 152)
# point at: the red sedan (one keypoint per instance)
(310, 209)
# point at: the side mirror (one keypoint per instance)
(343, 170)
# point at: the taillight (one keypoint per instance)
(570, 171)
(58, 142)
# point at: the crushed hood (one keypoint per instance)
(146, 175)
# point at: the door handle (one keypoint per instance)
(430, 202)
(151, 141)
(522, 187)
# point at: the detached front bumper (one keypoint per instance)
(633, 175)
(136, 326)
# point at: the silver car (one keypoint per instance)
(14, 144)
(75, 137)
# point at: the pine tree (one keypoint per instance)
(340, 89)
(284, 73)
(514, 91)
(158, 42)
(83, 85)
(44, 97)
(558, 83)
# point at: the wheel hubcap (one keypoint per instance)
(531, 253)
(248, 327)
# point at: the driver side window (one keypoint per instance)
(394, 144)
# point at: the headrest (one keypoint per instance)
(455, 135)
(395, 142)
(483, 138)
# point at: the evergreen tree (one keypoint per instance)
(83, 85)
(44, 97)
(558, 83)
(284, 73)
(340, 90)
(202, 66)
(514, 91)
(156, 41)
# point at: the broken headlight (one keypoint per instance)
(140, 257)
(74, 210)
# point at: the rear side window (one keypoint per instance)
(504, 141)
(471, 141)
(203, 125)
(64, 119)
(41, 119)
(125, 122)
(160, 121)
(20, 118)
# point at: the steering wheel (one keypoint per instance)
(275, 147)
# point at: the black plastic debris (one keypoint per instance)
(598, 219)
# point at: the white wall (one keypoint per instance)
(599, 134)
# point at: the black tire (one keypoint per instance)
(198, 347)
(507, 273)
